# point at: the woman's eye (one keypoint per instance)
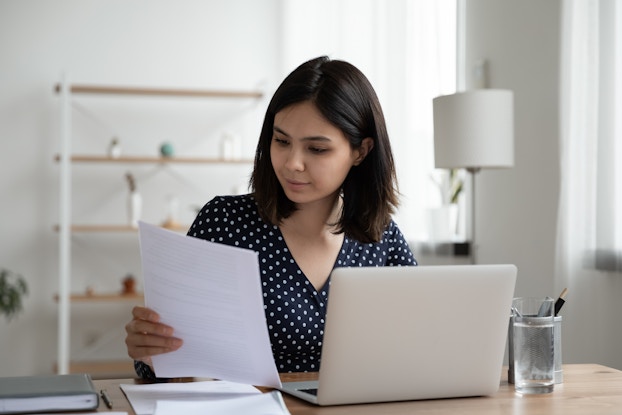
(281, 141)
(317, 150)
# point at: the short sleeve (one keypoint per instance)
(399, 250)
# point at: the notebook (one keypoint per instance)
(410, 333)
(47, 393)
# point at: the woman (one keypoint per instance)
(323, 191)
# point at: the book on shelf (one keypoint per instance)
(47, 393)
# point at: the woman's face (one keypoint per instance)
(310, 156)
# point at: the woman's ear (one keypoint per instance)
(366, 145)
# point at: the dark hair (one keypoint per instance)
(347, 100)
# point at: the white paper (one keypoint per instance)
(263, 404)
(143, 398)
(211, 295)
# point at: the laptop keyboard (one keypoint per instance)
(309, 391)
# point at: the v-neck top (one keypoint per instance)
(295, 310)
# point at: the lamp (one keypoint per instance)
(474, 130)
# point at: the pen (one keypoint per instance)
(560, 301)
(545, 308)
(106, 398)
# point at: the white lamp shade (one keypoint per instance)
(474, 129)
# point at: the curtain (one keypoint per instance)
(589, 232)
(407, 48)
(590, 228)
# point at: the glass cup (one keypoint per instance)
(557, 332)
(533, 338)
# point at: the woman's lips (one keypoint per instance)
(295, 184)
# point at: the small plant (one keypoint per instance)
(455, 185)
(12, 288)
(450, 184)
(130, 182)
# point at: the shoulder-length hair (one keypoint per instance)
(347, 100)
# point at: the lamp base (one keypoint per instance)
(473, 171)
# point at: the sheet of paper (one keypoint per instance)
(211, 295)
(143, 398)
(263, 404)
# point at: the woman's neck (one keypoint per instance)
(313, 220)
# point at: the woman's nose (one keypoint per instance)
(295, 161)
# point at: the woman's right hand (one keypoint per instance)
(147, 337)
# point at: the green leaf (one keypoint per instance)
(12, 288)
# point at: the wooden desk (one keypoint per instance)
(587, 389)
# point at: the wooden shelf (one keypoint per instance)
(164, 92)
(67, 94)
(110, 297)
(153, 159)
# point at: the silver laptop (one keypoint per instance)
(408, 333)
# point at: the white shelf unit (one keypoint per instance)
(65, 227)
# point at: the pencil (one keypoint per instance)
(560, 301)
(106, 398)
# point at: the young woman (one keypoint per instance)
(323, 191)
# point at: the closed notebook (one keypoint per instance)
(47, 393)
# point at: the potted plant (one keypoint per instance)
(443, 220)
(450, 184)
(135, 201)
(12, 289)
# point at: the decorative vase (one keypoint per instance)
(442, 223)
(166, 150)
(129, 285)
(173, 213)
(114, 149)
(135, 205)
(229, 147)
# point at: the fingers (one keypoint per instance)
(144, 313)
(148, 327)
(142, 346)
(146, 336)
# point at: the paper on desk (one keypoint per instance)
(211, 294)
(143, 398)
(262, 404)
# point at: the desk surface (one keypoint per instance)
(587, 389)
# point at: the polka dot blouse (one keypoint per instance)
(295, 310)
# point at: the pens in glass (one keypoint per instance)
(106, 398)
(560, 301)
(545, 308)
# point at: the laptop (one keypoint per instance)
(410, 333)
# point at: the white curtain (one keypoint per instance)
(589, 236)
(407, 48)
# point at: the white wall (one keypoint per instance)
(200, 44)
(517, 208)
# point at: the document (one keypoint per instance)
(211, 295)
(81, 413)
(262, 404)
(47, 393)
(143, 398)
